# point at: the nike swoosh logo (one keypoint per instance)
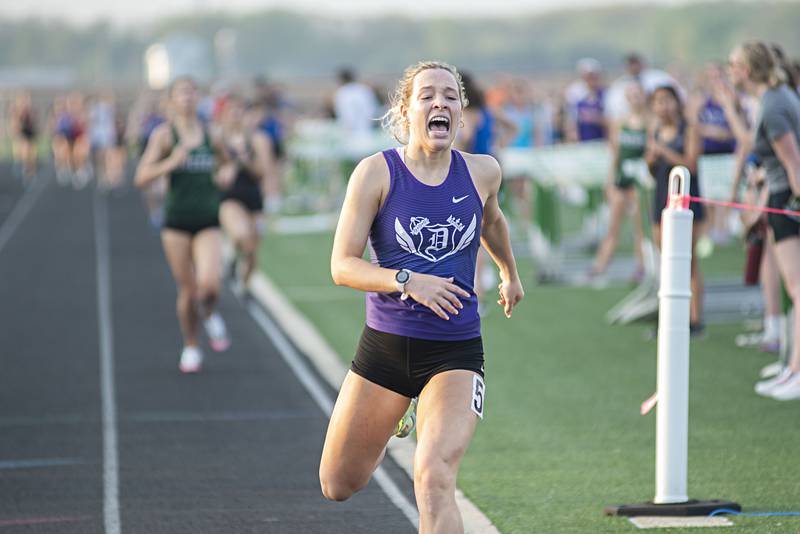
(457, 200)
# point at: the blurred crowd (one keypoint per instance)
(666, 117)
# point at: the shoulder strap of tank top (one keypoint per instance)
(206, 137)
(175, 137)
(459, 163)
(393, 161)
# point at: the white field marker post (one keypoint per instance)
(672, 417)
(672, 421)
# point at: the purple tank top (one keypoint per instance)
(427, 229)
(590, 112)
(713, 114)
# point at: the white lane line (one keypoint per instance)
(325, 402)
(218, 417)
(38, 463)
(107, 393)
(19, 212)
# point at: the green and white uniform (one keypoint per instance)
(632, 143)
(192, 202)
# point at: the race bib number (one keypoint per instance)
(478, 395)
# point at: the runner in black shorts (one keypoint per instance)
(242, 203)
(24, 131)
(755, 68)
(424, 208)
(195, 164)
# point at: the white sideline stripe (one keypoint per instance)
(19, 212)
(308, 339)
(643, 522)
(107, 394)
(323, 400)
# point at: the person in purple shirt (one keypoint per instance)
(586, 103)
(715, 131)
(423, 209)
(717, 137)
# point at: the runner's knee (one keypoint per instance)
(793, 290)
(246, 243)
(250, 245)
(207, 288)
(434, 476)
(336, 487)
(186, 292)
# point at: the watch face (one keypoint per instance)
(401, 277)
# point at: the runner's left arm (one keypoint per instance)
(495, 236)
(260, 165)
(226, 167)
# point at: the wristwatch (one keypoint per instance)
(401, 278)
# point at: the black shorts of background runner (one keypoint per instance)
(782, 226)
(405, 364)
(624, 184)
(28, 131)
(192, 227)
(246, 191)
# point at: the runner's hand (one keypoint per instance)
(178, 156)
(511, 293)
(651, 152)
(693, 107)
(438, 294)
(225, 176)
(724, 94)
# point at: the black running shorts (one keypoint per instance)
(190, 227)
(406, 364)
(782, 226)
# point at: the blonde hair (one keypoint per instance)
(764, 65)
(393, 121)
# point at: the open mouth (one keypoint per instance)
(439, 125)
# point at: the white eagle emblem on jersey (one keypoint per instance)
(434, 242)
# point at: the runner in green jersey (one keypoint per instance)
(195, 165)
(627, 144)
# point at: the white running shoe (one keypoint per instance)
(765, 387)
(191, 360)
(217, 333)
(748, 340)
(773, 369)
(788, 390)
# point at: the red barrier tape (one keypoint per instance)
(741, 206)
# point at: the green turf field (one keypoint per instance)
(563, 436)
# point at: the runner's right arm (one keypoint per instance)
(153, 164)
(613, 147)
(261, 164)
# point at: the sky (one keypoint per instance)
(125, 12)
